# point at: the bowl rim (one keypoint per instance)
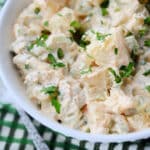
(79, 135)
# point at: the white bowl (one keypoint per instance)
(15, 86)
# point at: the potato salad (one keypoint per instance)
(86, 63)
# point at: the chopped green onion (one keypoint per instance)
(54, 62)
(51, 59)
(143, 31)
(147, 20)
(53, 92)
(84, 43)
(46, 23)
(146, 73)
(117, 77)
(37, 10)
(134, 55)
(72, 31)
(59, 65)
(40, 41)
(75, 24)
(100, 36)
(27, 66)
(86, 71)
(148, 88)
(147, 43)
(56, 104)
(104, 11)
(105, 4)
(60, 53)
(116, 51)
(126, 71)
(30, 47)
(77, 33)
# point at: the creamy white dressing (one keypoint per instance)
(93, 94)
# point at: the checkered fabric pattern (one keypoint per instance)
(14, 135)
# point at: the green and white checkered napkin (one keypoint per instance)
(15, 136)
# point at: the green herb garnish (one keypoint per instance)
(124, 72)
(127, 71)
(105, 4)
(116, 51)
(46, 23)
(72, 31)
(146, 73)
(86, 71)
(75, 24)
(104, 11)
(37, 10)
(100, 36)
(84, 43)
(40, 41)
(143, 31)
(117, 77)
(60, 53)
(147, 20)
(30, 47)
(148, 88)
(59, 65)
(54, 62)
(134, 55)
(27, 66)
(53, 92)
(77, 34)
(51, 59)
(147, 43)
(56, 104)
